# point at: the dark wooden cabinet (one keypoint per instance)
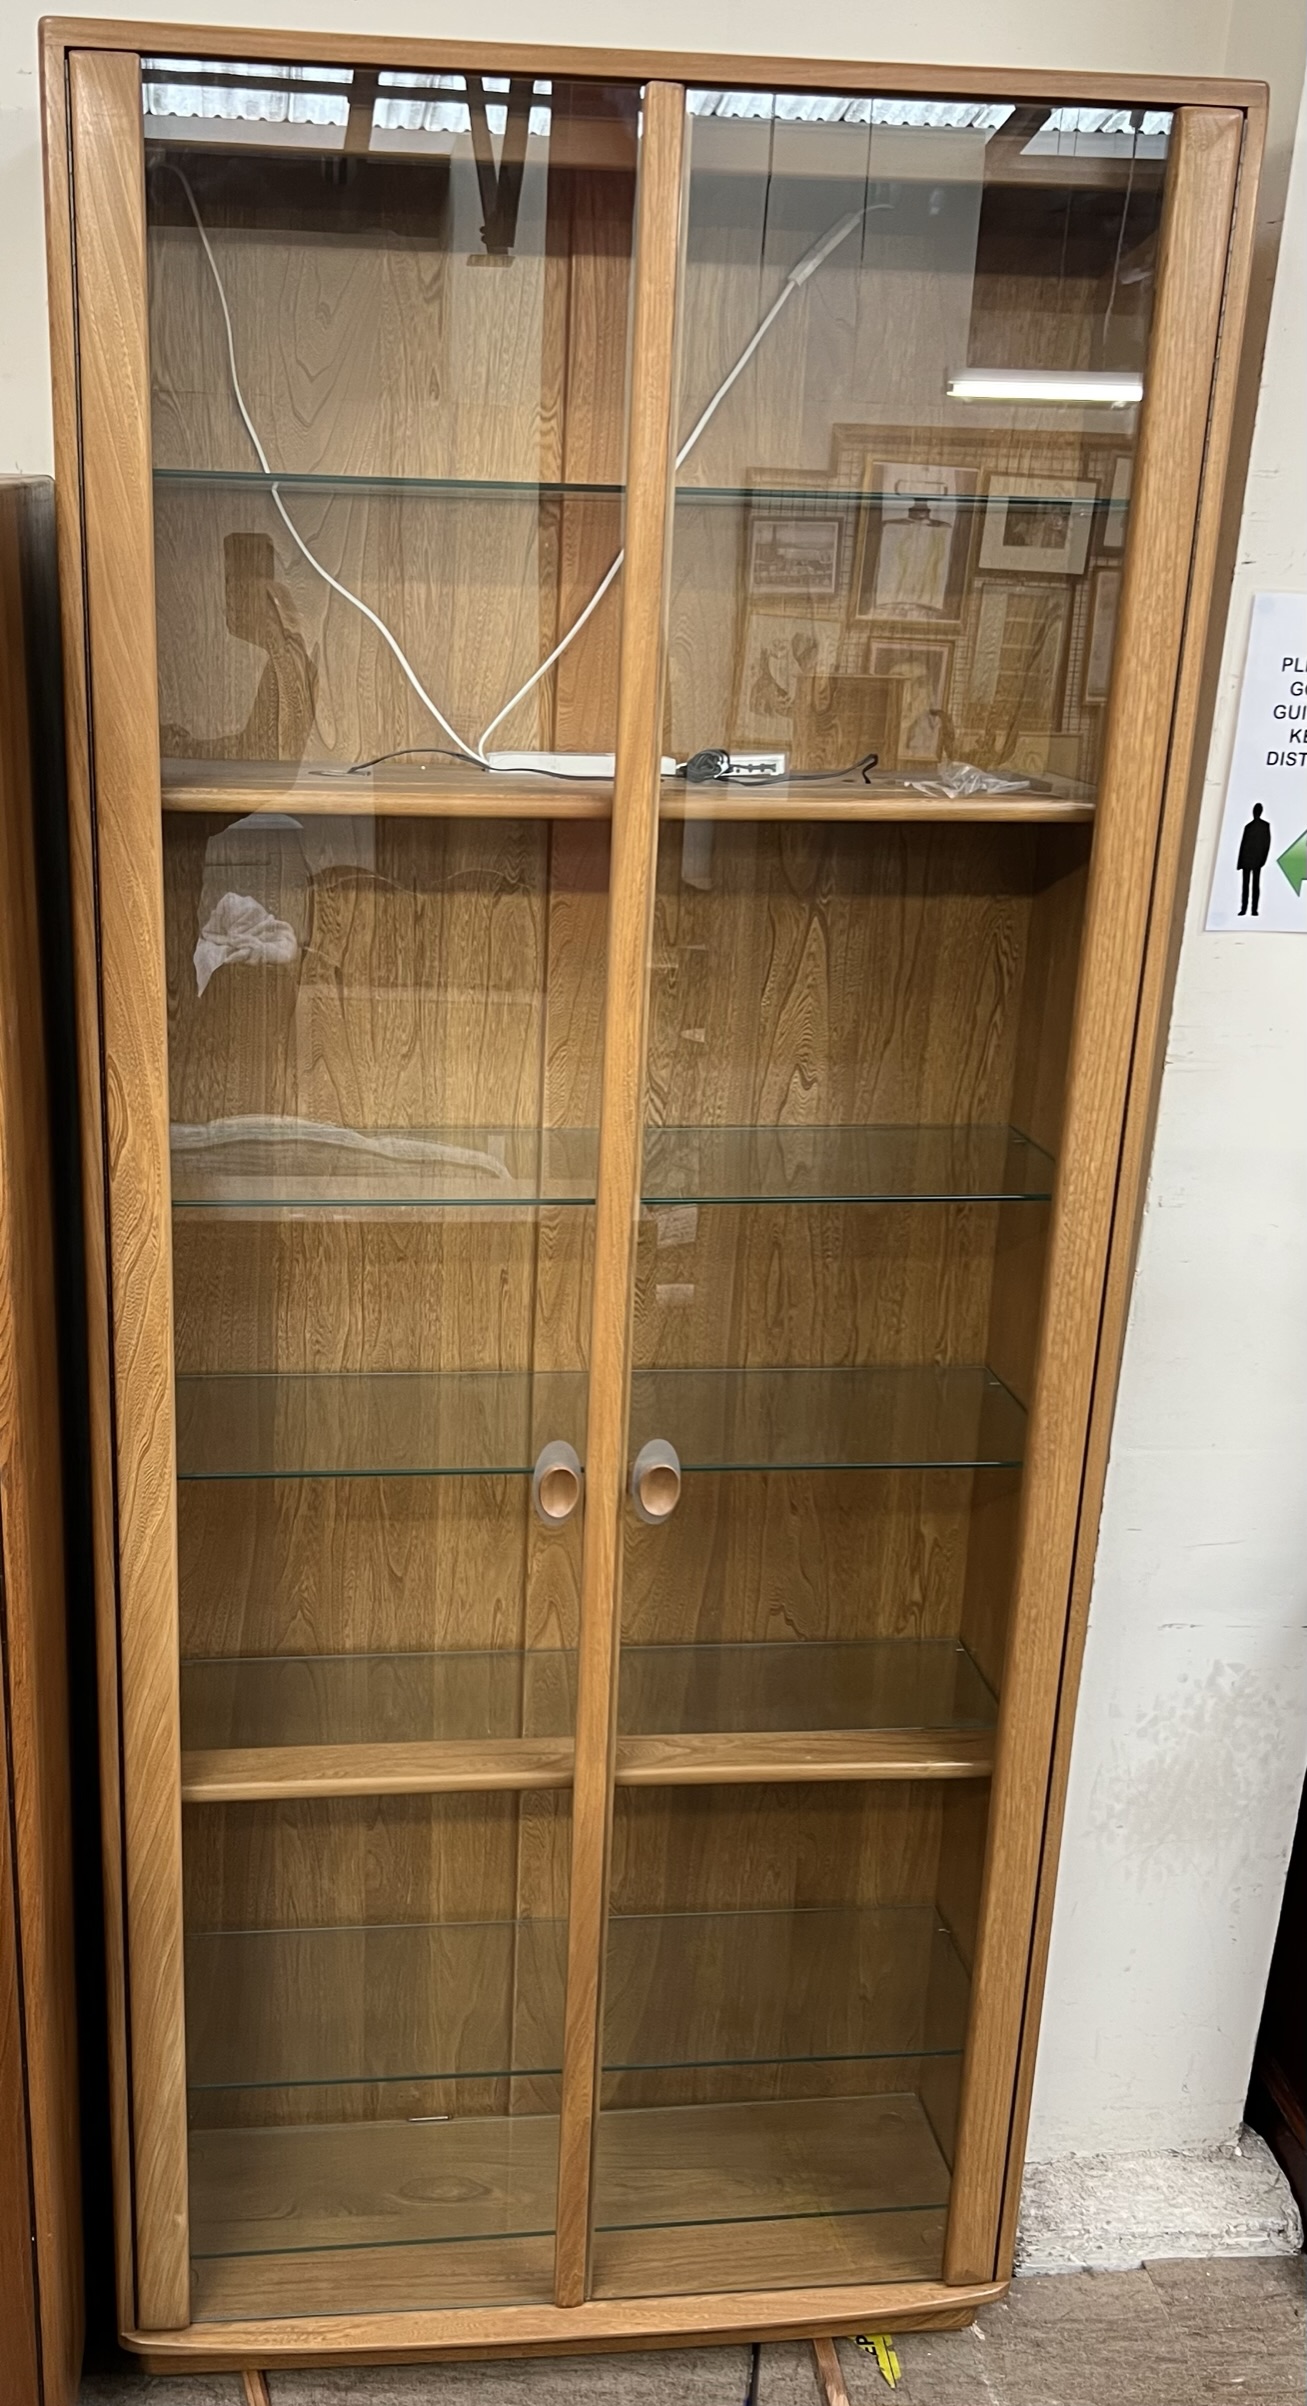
(40, 2231)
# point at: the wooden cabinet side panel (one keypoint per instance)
(1195, 242)
(17, 2206)
(109, 247)
(68, 523)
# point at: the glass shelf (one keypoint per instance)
(811, 499)
(436, 488)
(402, 2002)
(843, 1165)
(377, 1699)
(816, 1984)
(470, 1423)
(270, 1165)
(959, 1417)
(360, 1424)
(409, 1699)
(878, 1683)
(411, 2215)
(482, 2000)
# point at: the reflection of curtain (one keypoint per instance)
(912, 571)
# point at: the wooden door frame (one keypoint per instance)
(1197, 227)
(128, 1294)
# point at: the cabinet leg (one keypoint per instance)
(828, 2372)
(255, 2388)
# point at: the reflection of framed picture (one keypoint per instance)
(1038, 524)
(914, 549)
(923, 670)
(1118, 498)
(1102, 634)
(779, 651)
(1012, 684)
(791, 557)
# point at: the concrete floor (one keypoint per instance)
(1173, 2334)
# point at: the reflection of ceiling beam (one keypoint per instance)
(500, 187)
(1028, 118)
(362, 101)
(1072, 171)
(1008, 161)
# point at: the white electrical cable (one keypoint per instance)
(798, 275)
(287, 521)
(811, 260)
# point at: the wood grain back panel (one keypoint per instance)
(835, 975)
(835, 1554)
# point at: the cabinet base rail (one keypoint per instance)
(599, 2327)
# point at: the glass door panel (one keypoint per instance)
(914, 344)
(786, 2007)
(374, 1995)
(388, 325)
(900, 522)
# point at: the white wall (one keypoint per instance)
(1190, 1744)
(1193, 1725)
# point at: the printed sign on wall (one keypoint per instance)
(1259, 885)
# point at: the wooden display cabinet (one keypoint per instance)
(607, 1281)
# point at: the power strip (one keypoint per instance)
(761, 765)
(746, 766)
(565, 764)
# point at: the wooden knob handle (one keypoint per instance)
(556, 1482)
(656, 1480)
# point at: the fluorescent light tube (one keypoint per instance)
(1105, 388)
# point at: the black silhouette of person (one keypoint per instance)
(1254, 848)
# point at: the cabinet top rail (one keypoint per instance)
(890, 77)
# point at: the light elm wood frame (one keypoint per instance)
(96, 245)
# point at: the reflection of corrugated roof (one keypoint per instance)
(414, 114)
(853, 108)
(1106, 121)
(180, 87)
(274, 93)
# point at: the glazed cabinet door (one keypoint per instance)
(355, 355)
(891, 988)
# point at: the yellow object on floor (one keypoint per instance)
(882, 2348)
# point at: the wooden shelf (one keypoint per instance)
(253, 1774)
(448, 791)
(718, 1758)
(376, 2215)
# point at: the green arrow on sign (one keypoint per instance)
(1294, 862)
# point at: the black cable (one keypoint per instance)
(868, 762)
(487, 767)
(720, 773)
(713, 767)
(417, 752)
